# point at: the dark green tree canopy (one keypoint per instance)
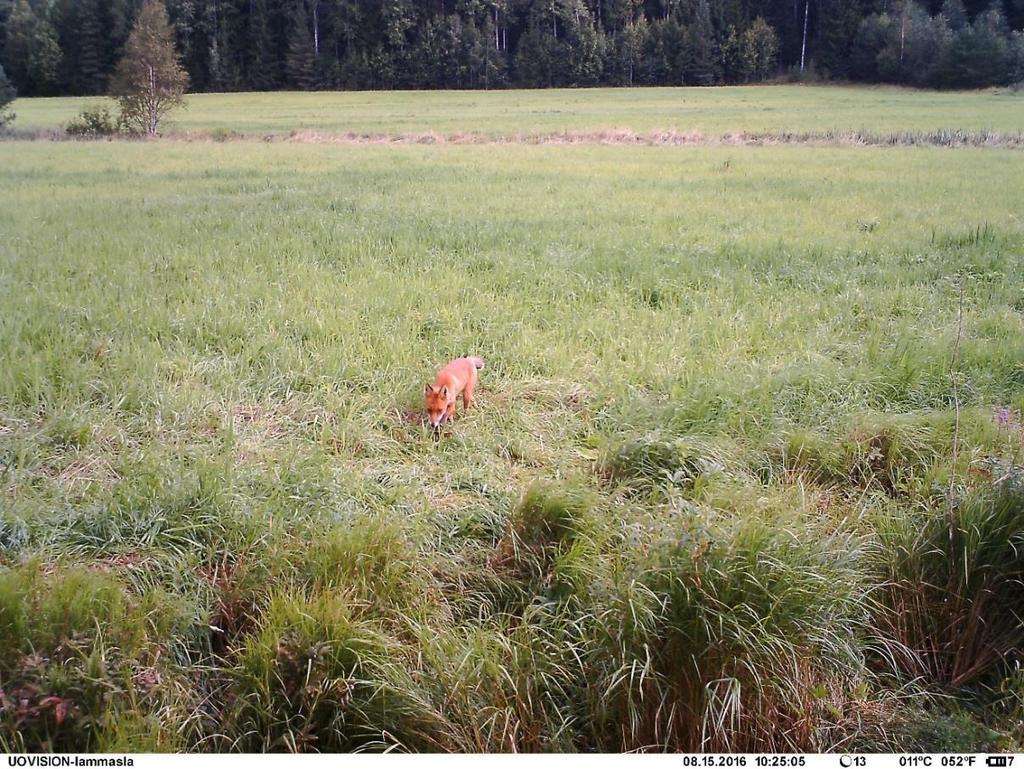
(71, 46)
(31, 54)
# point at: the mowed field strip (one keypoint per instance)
(702, 500)
(708, 111)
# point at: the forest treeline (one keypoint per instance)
(55, 47)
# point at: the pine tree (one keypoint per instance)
(219, 65)
(925, 44)
(261, 64)
(703, 67)
(300, 63)
(542, 57)
(838, 21)
(430, 56)
(979, 54)
(89, 76)
(669, 56)
(149, 80)
(493, 63)
(118, 18)
(872, 35)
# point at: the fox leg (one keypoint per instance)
(467, 396)
(449, 412)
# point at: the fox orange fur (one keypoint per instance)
(457, 378)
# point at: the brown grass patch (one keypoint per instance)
(950, 138)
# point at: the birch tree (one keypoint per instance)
(803, 44)
(149, 81)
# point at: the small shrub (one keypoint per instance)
(810, 74)
(92, 123)
(7, 94)
(224, 134)
(903, 455)
(237, 596)
(88, 695)
(41, 701)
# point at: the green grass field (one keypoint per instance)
(711, 111)
(718, 490)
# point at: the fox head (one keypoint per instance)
(437, 404)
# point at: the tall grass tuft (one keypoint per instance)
(78, 661)
(952, 589)
(316, 678)
(739, 634)
(655, 461)
(551, 531)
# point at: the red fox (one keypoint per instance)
(457, 377)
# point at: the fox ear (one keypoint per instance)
(444, 391)
(430, 388)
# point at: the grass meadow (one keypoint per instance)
(745, 471)
(710, 111)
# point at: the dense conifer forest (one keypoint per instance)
(57, 47)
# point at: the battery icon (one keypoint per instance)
(996, 761)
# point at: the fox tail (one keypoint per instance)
(478, 362)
